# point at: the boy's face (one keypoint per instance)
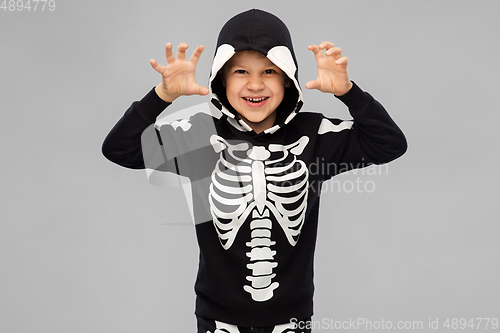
(254, 87)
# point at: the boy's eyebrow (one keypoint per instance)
(230, 65)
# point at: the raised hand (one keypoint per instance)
(178, 77)
(332, 70)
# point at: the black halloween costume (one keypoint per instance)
(255, 196)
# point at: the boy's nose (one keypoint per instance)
(255, 83)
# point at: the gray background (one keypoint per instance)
(86, 245)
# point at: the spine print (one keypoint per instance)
(261, 259)
(261, 256)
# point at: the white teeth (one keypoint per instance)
(255, 100)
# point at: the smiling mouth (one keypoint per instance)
(255, 100)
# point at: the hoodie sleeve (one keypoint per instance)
(123, 143)
(372, 137)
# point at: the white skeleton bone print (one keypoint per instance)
(230, 328)
(258, 181)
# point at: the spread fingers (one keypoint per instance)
(181, 51)
(336, 52)
(196, 54)
(168, 53)
(317, 51)
(326, 45)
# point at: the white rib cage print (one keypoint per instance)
(258, 181)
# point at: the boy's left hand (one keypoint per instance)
(332, 70)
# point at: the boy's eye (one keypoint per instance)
(240, 71)
(269, 71)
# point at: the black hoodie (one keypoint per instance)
(259, 193)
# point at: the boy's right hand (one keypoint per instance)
(178, 76)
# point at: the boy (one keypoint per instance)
(250, 170)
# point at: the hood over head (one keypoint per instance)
(263, 32)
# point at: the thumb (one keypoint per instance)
(202, 90)
(313, 84)
(157, 67)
